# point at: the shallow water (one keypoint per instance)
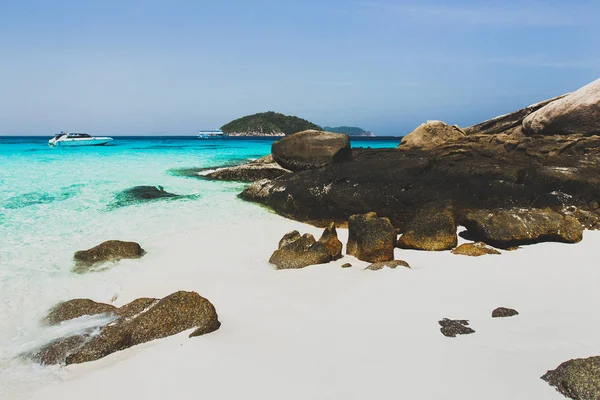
(55, 201)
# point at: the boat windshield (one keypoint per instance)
(79, 135)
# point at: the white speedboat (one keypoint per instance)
(212, 134)
(77, 139)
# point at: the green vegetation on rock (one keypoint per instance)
(268, 124)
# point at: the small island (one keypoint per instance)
(350, 130)
(267, 124)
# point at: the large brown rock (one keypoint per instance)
(371, 238)
(430, 134)
(578, 379)
(576, 113)
(111, 250)
(311, 149)
(432, 229)
(263, 168)
(513, 227)
(297, 251)
(138, 322)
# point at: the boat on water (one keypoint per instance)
(78, 139)
(211, 134)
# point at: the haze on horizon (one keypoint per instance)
(172, 67)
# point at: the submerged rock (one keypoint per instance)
(432, 133)
(432, 229)
(138, 322)
(263, 168)
(577, 379)
(576, 113)
(453, 327)
(297, 251)
(474, 249)
(513, 227)
(141, 194)
(311, 149)
(389, 264)
(371, 238)
(111, 250)
(502, 312)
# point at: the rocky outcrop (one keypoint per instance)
(371, 238)
(111, 250)
(311, 149)
(330, 240)
(577, 379)
(138, 322)
(431, 134)
(513, 227)
(453, 327)
(503, 312)
(389, 264)
(296, 251)
(433, 229)
(576, 113)
(263, 168)
(507, 122)
(474, 249)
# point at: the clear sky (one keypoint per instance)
(172, 67)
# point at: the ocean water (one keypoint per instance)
(55, 201)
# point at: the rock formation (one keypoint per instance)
(263, 168)
(433, 228)
(111, 250)
(577, 379)
(299, 251)
(431, 134)
(371, 238)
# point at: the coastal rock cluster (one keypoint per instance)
(140, 321)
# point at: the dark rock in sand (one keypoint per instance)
(474, 249)
(513, 227)
(578, 379)
(77, 308)
(111, 250)
(371, 238)
(433, 228)
(263, 168)
(141, 194)
(453, 327)
(138, 322)
(346, 265)
(311, 149)
(299, 251)
(431, 134)
(502, 312)
(575, 113)
(389, 264)
(330, 240)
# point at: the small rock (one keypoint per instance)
(347, 265)
(502, 312)
(371, 238)
(474, 249)
(111, 250)
(390, 264)
(578, 379)
(453, 327)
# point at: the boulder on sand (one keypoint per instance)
(330, 240)
(432, 229)
(578, 379)
(576, 113)
(514, 227)
(371, 238)
(138, 322)
(111, 250)
(311, 149)
(297, 251)
(474, 249)
(503, 312)
(430, 134)
(453, 327)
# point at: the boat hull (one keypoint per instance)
(80, 142)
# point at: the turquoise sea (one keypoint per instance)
(54, 201)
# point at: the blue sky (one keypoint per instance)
(171, 67)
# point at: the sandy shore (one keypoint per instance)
(324, 332)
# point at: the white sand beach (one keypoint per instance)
(324, 332)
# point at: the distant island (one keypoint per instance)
(267, 124)
(349, 130)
